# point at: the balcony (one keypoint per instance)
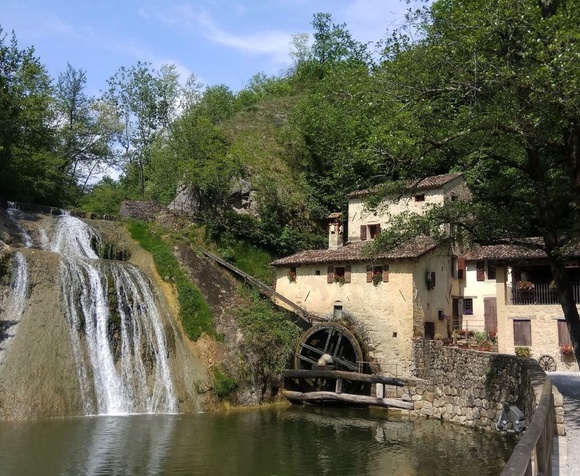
(541, 294)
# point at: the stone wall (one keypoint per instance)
(144, 210)
(470, 387)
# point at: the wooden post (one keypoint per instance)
(339, 385)
(380, 390)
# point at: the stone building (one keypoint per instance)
(421, 289)
(510, 288)
(392, 297)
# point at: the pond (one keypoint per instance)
(277, 440)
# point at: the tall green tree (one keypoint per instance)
(85, 129)
(29, 166)
(145, 101)
(492, 88)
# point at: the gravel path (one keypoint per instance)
(569, 386)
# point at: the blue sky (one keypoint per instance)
(221, 41)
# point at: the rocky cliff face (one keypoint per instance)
(38, 376)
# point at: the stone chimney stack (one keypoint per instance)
(335, 231)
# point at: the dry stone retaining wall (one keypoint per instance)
(470, 387)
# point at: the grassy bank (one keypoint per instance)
(195, 313)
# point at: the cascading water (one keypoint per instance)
(15, 301)
(117, 336)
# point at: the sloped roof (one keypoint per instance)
(353, 252)
(505, 252)
(435, 181)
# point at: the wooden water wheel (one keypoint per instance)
(329, 345)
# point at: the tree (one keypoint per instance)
(29, 166)
(85, 129)
(145, 102)
(493, 89)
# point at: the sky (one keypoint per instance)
(220, 41)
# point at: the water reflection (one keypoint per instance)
(280, 441)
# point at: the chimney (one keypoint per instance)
(335, 231)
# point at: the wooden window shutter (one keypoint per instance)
(432, 279)
(480, 265)
(461, 268)
(330, 275)
(563, 334)
(385, 273)
(369, 274)
(378, 229)
(347, 274)
(363, 232)
(523, 332)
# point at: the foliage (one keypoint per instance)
(269, 334)
(223, 385)
(494, 92)
(195, 313)
(145, 102)
(522, 351)
(567, 349)
(105, 197)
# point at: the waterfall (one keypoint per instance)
(14, 215)
(117, 336)
(14, 303)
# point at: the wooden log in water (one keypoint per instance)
(347, 398)
(343, 374)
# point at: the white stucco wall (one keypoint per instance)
(543, 323)
(477, 290)
(390, 313)
(359, 215)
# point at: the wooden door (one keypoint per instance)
(490, 314)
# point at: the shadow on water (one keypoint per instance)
(279, 441)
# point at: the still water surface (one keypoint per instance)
(273, 441)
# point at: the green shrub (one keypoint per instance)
(223, 385)
(522, 351)
(195, 313)
(269, 333)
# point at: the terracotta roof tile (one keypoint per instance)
(434, 181)
(355, 252)
(516, 252)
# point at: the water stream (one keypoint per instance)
(14, 302)
(117, 334)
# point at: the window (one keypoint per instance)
(563, 335)
(468, 307)
(460, 268)
(430, 279)
(480, 267)
(453, 267)
(317, 272)
(374, 231)
(378, 274)
(292, 275)
(523, 332)
(338, 274)
(337, 312)
(490, 271)
(420, 197)
(369, 231)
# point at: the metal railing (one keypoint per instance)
(533, 454)
(541, 294)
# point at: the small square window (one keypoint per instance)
(292, 275)
(468, 307)
(420, 197)
(317, 272)
(374, 231)
(339, 272)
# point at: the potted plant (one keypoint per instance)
(523, 351)
(339, 280)
(566, 350)
(377, 278)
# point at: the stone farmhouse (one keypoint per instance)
(421, 289)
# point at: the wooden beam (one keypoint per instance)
(348, 398)
(343, 374)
